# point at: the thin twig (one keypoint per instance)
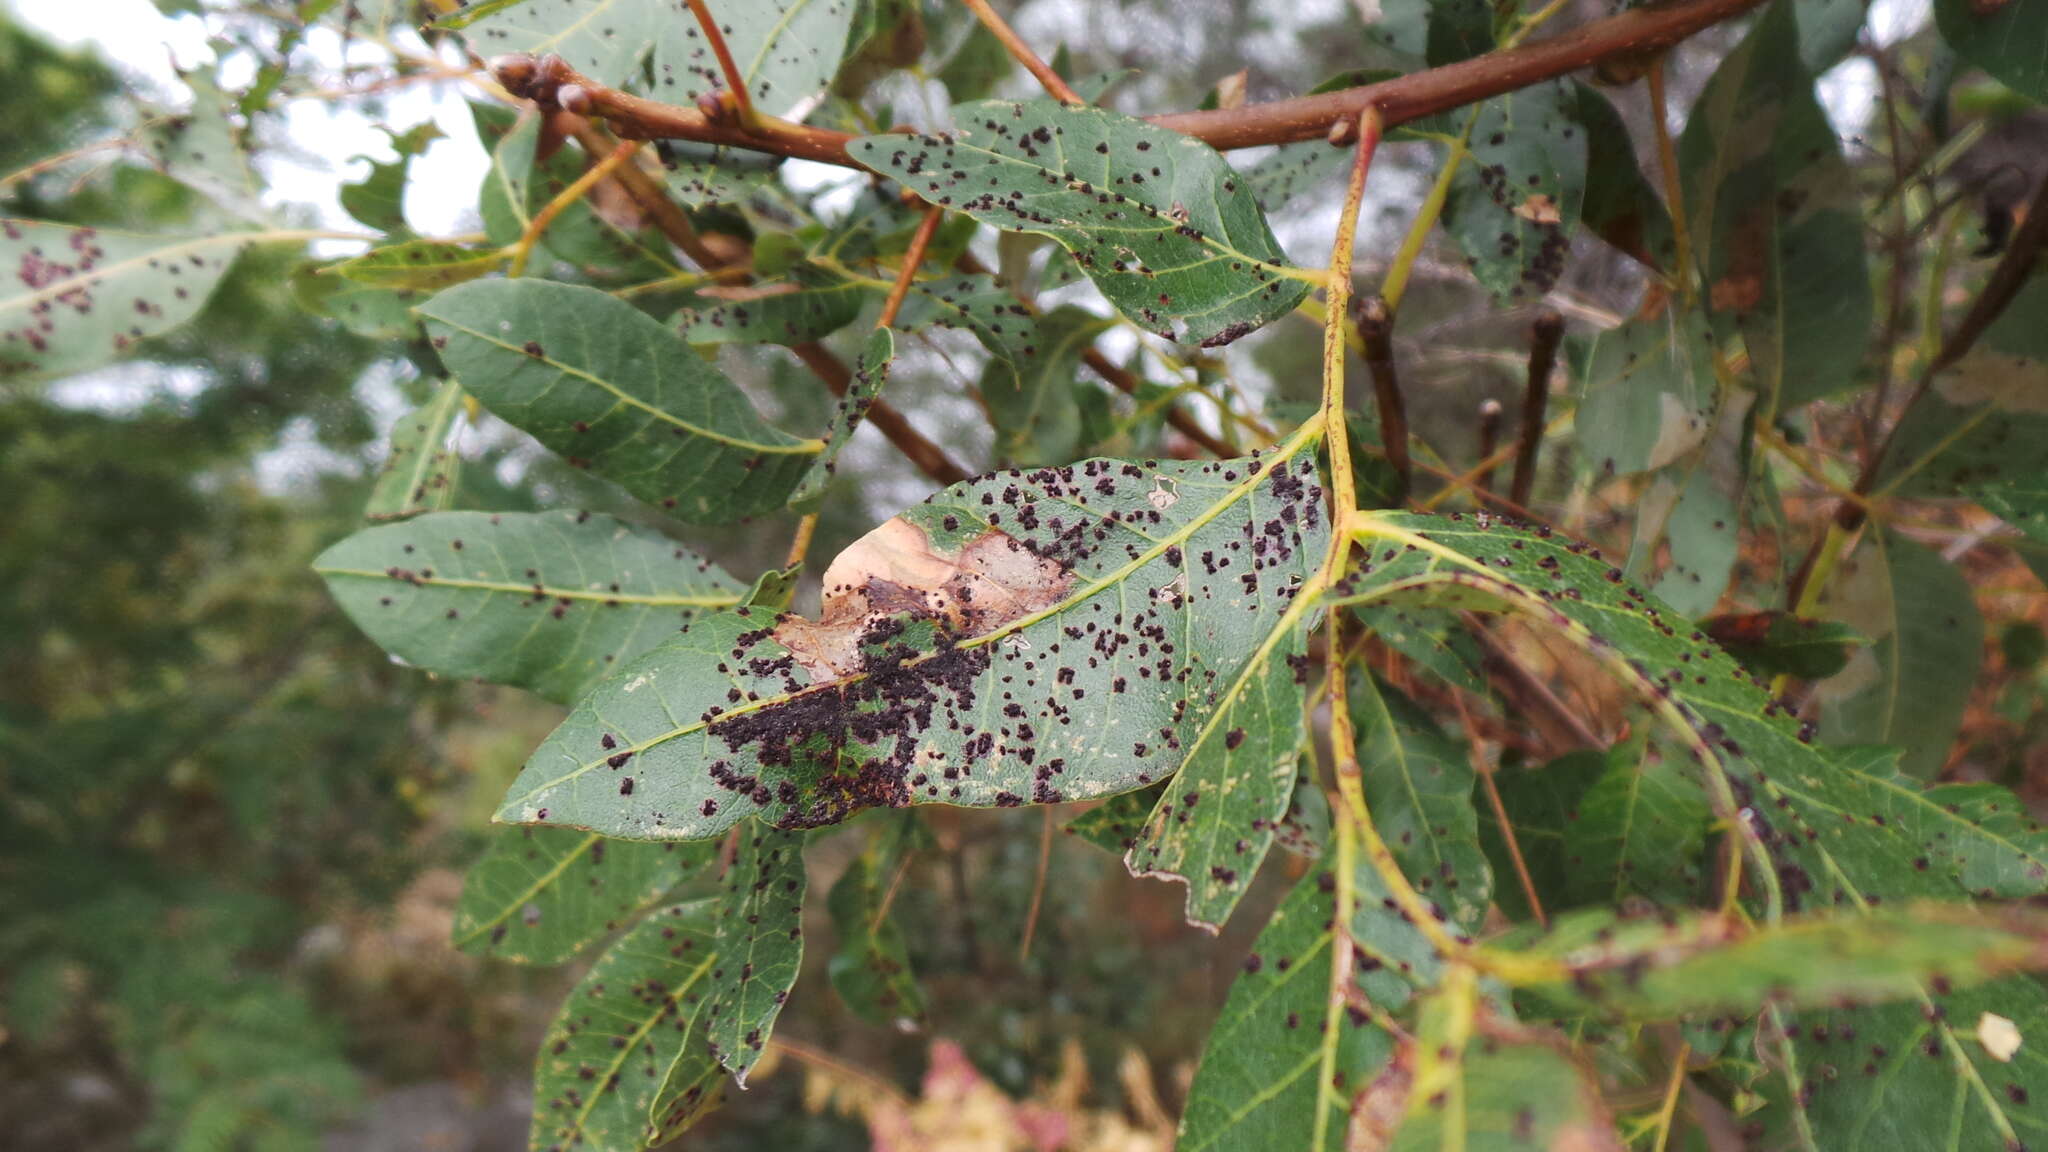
(800, 545)
(928, 456)
(523, 248)
(735, 81)
(1667, 164)
(1376, 329)
(913, 256)
(1633, 33)
(1022, 53)
(1037, 885)
(1544, 334)
(1484, 769)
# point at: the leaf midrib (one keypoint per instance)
(549, 592)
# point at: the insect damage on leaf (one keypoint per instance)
(895, 571)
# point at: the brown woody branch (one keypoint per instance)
(1636, 33)
(1544, 334)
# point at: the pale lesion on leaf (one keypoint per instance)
(990, 581)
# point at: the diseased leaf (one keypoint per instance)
(1114, 824)
(1437, 31)
(870, 373)
(1640, 830)
(203, 148)
(418, 264)
(2003, 37)
(76, 298)
(1002, 643)
(787, 50)
(1516, 198)
(1418, 786)
(1657, 967)
(1261, 1070)
(613, 390)
(1157, 220)
(1700, 519)
(601, 1063)
(520, 184)
(1649, 394)
(542, 895)
(870, 968)
(548, 601)
(788, 312)
(1778, 222)
(419, 474)
(1984, 421)
(1909, 687)
(760, 947)
(1543, 801)
(1840, 826)
(1775, 643)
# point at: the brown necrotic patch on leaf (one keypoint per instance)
(895, 570)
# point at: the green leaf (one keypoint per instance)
(787, 50)
(1911, 686)
(1437, 31)
(1827, 31)
(1435, 640)
(1839, 826)
(1514, 200)
(1030, 397)
(773, 589)
(790, 312)
(870, 968)
(1158, 221)
(1776, 218)
(548, 601)
(699, 176)
(2004, 39)
(378, 313)
(1473, 1080)
(597, 1077)
(1543, 802)
(378, 199)
(419, 474)
(1089, 587)
(870, 373)
(760, 947)
(1621, 206)
(1984, 420)
(1694, 508)
(1775, 643)
(1114, 824)
(1418, 786)
(1640, 830)
(77, 298)
(1304, 166)
(1258, 1082)
(614, 390)
(1656, 967)
(1650, 396)
(204, 148)
(520, 184)
(541, 895)
(418, 264)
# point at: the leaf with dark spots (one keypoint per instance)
(1114, 824)
(870, 967)
(1515, 199)
(419, 473)
(870, 373)
(786, 312)
(1157, 220)
(423, 265)
(1911, 685)
(1663, 967)
(77, 298)
(760, 947)
(1028, 637)
(541, 895)
(1418, 787)
(1434, 31)
(548, 601)
(625, 1024)
(1640, 830)
(1293, 170)
(1649, 397)
(787, 50)
(1257, 1085)
(1837, 827)
(1775, 219)
(608, 386)
(1776, 643)
(378, 313)
(204, 148)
